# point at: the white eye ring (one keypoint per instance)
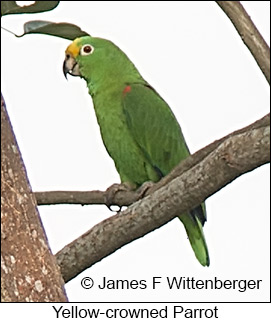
(86, 50)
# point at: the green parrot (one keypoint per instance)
(138, 128)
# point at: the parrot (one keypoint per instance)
(139, 130)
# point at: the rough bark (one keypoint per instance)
(29, 272)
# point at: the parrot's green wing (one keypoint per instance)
(154, 127)
(156, 131)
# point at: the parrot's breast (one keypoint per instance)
(130, 162)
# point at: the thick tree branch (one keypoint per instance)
(236, 155)
(249, 34)
(123, 198)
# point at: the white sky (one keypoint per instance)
(191, 54)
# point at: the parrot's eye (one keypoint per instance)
(86, 50)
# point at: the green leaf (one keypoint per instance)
(11, 7)
(63, 30)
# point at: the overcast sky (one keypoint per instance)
(191, 54)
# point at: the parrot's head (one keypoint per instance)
(74, 55)
(97, 60)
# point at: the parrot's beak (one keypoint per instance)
(70, 66)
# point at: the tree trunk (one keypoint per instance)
(29, 272)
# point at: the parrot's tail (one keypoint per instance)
(196, 237)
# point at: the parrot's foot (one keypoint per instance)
(113, 190)
(143, 189)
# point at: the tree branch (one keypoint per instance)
(123, 198)
(234, 156)
(249, 34)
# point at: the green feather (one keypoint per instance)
(138, 128)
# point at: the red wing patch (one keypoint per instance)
(127, 89)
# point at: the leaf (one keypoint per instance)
(11, 7)
(63, 30)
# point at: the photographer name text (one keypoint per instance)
(172, 283)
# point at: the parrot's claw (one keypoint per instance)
(110, 193)
(143, 189)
